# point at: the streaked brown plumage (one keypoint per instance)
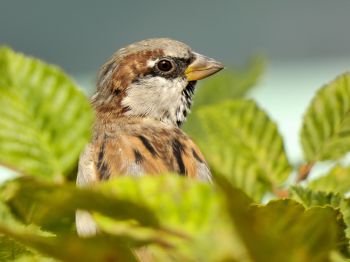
(144, 93)
(140, 145)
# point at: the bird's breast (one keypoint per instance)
(148, 150)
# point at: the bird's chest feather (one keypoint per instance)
(147, 149)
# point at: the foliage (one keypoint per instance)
(325, 134)
(257, 161)
(336, 180)
(45, 121)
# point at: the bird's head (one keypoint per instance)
(152, 78)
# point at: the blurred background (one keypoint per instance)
(306, 43)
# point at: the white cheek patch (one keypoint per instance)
(156, 97)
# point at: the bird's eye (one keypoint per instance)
(165, 65)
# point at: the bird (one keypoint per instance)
(144, 94)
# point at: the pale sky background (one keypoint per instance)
(306, 43)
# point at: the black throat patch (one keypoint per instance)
(186, 99)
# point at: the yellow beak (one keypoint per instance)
(202, 67)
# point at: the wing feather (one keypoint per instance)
(86, 176)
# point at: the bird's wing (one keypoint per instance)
(202, 171)
(86, 170)
(86, 176)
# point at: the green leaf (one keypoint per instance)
(72, 248)
(283, 227)
(11, 250)
(190, 214)
(337, 257)
(185, 206)
(50, 205)
(45, 120)
(306, 240)
(240, 141)
(337, 181)
(325, 133)
(34, 258)
(310, 198)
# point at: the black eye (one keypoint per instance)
(165, 65)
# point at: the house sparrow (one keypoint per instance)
(144, 93)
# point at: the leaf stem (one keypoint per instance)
(281, 192)
(304, 171)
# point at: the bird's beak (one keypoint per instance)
(202, 67)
